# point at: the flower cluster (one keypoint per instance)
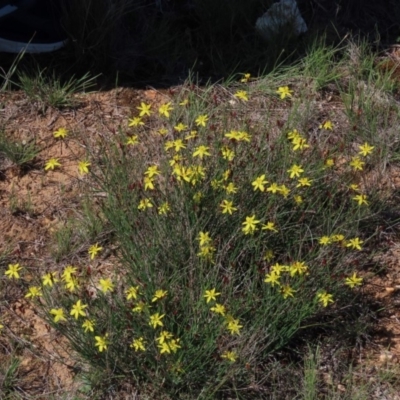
(231, 324)
(207, 248)
(241, 202)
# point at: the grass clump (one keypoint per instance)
(21, 153)
(238, 217)
(50, 91)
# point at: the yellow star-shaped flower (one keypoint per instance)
(284, 92)
(365, 149)
(211, 295)
(51, 164)
(83, 167)
(60, 133)
(144, 109)
(242, 95)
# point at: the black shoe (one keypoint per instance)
(29, 26)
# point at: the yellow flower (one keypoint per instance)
(136, 121)
(101, 342)
(227, 207)
(361, 199)
(325, 240)
(233, 325)
(242, 95)
(327, 125)
(148, 183)
(357, 164)
(259, 183)
(211, 295)
(226, 174)
(284, 92)
(273, 188)
(138, 344)
(106, 285)
(132, 140)
(300, 143)
(159, 294)
(354, 187)
(204, 238)
(201, 151)
(132, 292)
(60, 133)
(243, 137)
(304, 182)
(284, 191)
(250, 225)
(164, 336)
(180, 127)
(201, 120)
(298, 267)
(218, 309)
(231, 188)
(152, 171)
(88, 325)
(365, 149)
(293, 135)
(69, 270)
(184, 102)
(71, 284)
(178, 145)
(13, 271)
(164, 348)
(233, 135)
(272, 278)
(144, 109)
(295, 171)
(279, 268)
(355, 243)
(353, 281)
(287, 291)
(229, 355)
(1, 326)
(93, 250)
(325, 298)
(181, 173)
(174, 345)
(176, 159)
(144, 203)
(49, 279)
(34, 291)
(227, 153)
(155, 320)
(206, 251)
(51, 164)
(270, 226)
(77, 309)
(216, 184)
(329, 163)
(164, 208)
(83, 167)
(338, 238)
(165, 109)
(246, 78)
(141, 306)
(58, 314)
(298, 199)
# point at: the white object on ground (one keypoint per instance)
(279, 17)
